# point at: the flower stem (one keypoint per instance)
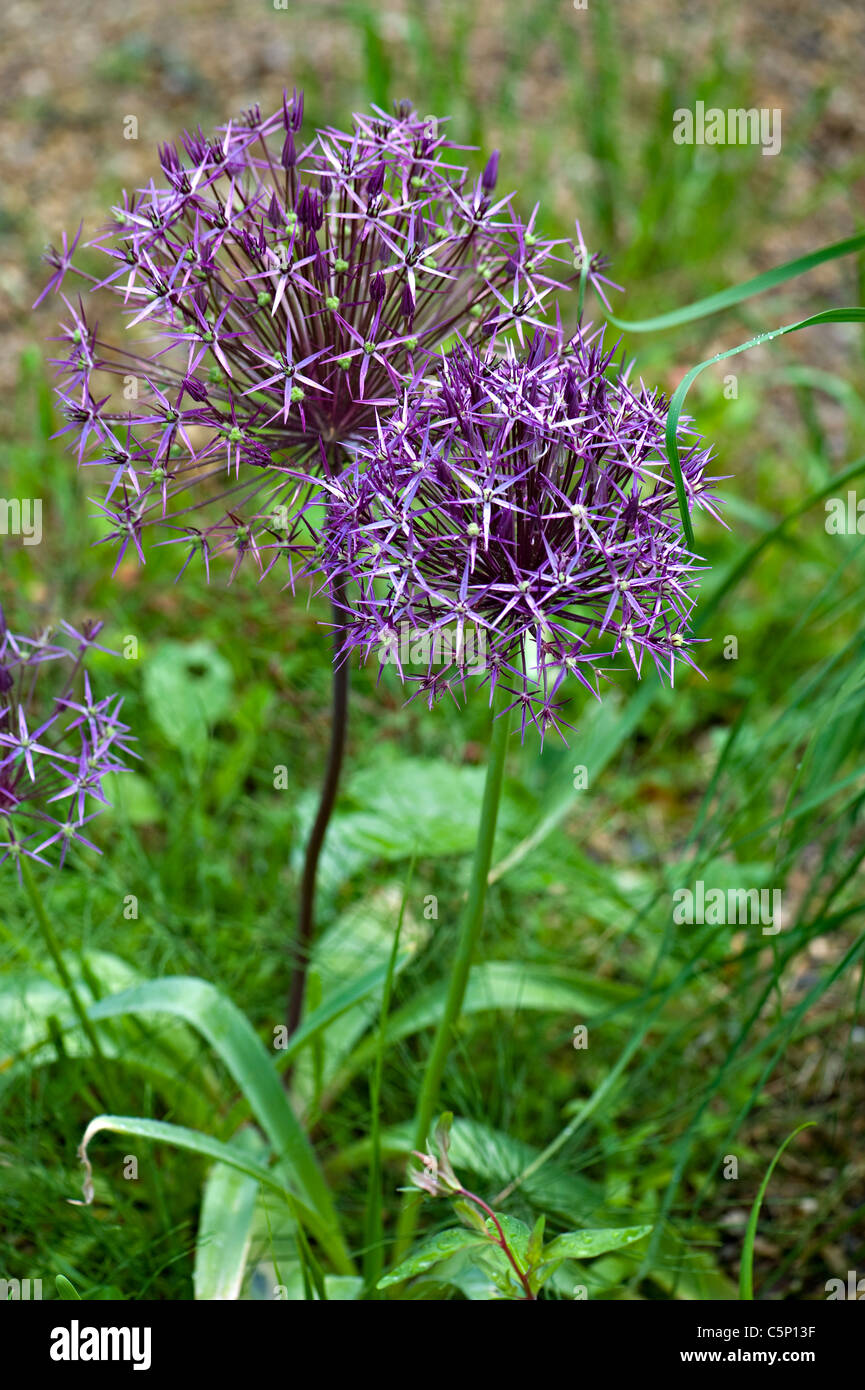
(339, 725)
(56, 955)
(502, 1241)
(470, 930)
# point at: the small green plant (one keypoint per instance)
(499, 1248)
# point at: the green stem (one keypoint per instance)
(470, 930)
(59, 964)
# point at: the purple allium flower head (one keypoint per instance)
(56, 744)
(527, 500)
(281, 289)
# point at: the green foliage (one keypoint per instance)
(604, 1164)
(539, 1263)
(188, 688)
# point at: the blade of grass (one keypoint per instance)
(847, 315)
(736, 294)
(746, 1270)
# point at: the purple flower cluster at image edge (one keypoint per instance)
(530, 496)
(280, 289)
(57, 743)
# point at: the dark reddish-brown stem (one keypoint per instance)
(339, 725)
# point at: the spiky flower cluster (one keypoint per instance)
(527, 498)
(279, 290)
(55, 746)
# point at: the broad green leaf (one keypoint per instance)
(506, 985)
(37, 1019)
(133, 798)
(193, 1141)
(512, 985)
(685, 1270)
(225, 1225)
(314, 1025)
(493, 1259)
(188, 687)
(27, 998)
(373, 1223)
(399, 806)
(231, 1035)
(337, 1004)
(359, 941)
(430, 1253)
(66, 1289)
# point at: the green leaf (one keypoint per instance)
(133, 798)
(37, 1022)
(400, 805)
(585, 1245)
(536, 1242)
(848, 315)
(225, 1225)
(509, 985)
(470, 1215)
(188, 687)
(685, 1270)
(194, 1141)
(231, 1035)
(373, 1226)
(66, 1289)
(360, 940)
(736, 294)
(430, 1253)
(335, 1005)
(160, 1131)
(27, 999)
(516, 1233)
